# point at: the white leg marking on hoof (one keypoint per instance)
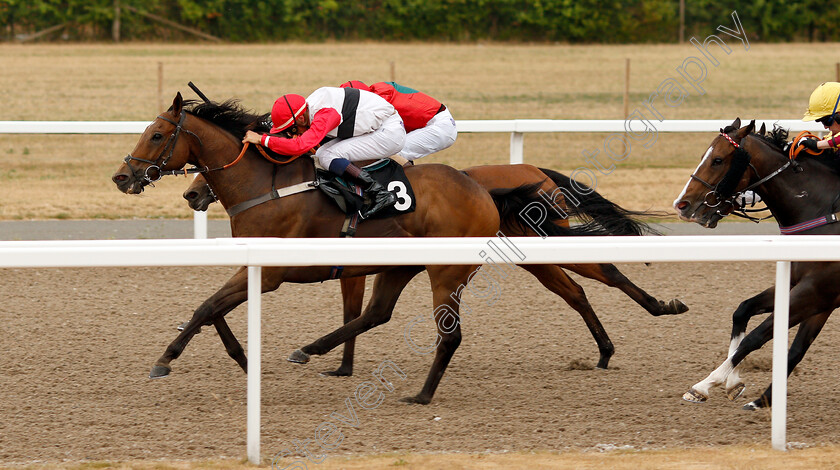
(717, 377)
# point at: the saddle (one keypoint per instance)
(350, 198)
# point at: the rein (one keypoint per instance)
(795, 150)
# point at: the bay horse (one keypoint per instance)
(448, 204)
(801, 191)
(617, 220)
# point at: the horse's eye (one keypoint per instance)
(717, 161)
(156, 137)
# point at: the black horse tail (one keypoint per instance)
(514, 203)
(590, 207)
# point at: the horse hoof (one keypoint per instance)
(416, 400)
(751, 406)
(735, 392)
(298, 357)
(693, 396)
(159, 372)
(338, 373)
(677, 307)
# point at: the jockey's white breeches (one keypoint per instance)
(440, 133)
(388, 139)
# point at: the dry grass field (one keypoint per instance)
(59, 176)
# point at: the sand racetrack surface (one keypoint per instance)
(78, 345)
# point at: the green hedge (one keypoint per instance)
(574, 21)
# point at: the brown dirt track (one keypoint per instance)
(78, 344)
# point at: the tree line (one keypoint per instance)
(571, 21)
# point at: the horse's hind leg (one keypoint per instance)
(807, 333)
(233, 293)
(611, 276)
(353, 293)
(446, 281)
(761, 303)
(557, 281)
(386, 290)
(232, 346)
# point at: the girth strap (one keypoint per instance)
(809, 224)
(348, 230)
(274, 194)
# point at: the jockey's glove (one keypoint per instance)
(810, 144)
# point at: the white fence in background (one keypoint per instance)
(258, 252)
(517, 128)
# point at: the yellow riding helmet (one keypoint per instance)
(823, 101)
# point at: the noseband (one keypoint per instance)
(154, 171)
(724, 191)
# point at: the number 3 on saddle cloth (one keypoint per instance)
(350, 199)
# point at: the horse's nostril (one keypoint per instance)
(120, 178)
(190, 195)
(682, 205)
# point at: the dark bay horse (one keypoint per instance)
(617, 220)
(804, 190)
(448, 204)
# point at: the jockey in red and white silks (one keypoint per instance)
(428, 123)
(349, 124)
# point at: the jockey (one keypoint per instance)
(356, 125)
(822, 107)
(429, 126)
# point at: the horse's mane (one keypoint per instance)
(230, 116)
(778, 139)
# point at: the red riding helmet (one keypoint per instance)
(355, 84)
(285, 110)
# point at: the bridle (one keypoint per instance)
(155, 171)
(724, 191)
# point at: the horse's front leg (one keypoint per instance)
(761, 303)
(353, 295)
(233, 293)
(807, 333)
(386, 291)
(800, 308)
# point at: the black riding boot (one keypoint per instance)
(381, 197)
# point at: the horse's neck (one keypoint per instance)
(249, 178)
(796, 196)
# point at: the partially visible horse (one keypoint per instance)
(617, 220)
(800, 193)
(448, 204)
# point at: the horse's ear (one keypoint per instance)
(747, 129)
(177, 104)
(763, 130)
(736, 123)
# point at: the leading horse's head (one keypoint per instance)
(721, 176)
(159, 149)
